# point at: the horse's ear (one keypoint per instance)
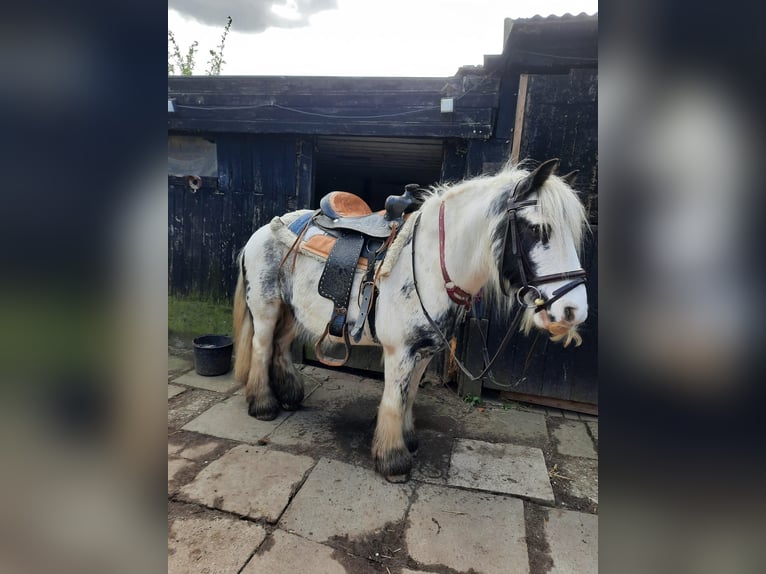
(537, 178)
(570, 178)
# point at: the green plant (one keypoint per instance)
(216, 57)
(472, 400)
(191, 317)
(183, 64)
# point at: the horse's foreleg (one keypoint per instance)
(408, 426)
(283, 377)
(260, 400)
(392, 459)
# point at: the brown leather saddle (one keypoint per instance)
(355, 236)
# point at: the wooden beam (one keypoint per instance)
(579, 407)
(518, 126)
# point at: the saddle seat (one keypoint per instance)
(338, 204)
(342, 210)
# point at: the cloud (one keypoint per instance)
(252, 15)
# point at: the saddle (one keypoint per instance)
(359, 237)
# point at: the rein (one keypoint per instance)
(514, 323)
(528, 286)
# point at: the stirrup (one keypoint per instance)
(332, 361)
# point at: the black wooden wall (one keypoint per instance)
(560, 120)
(259, 176)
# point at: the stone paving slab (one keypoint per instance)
(340, 418)
(211, 545)
(583, 477)
(229, 419)
(467, 530)
(343, 388)
(250, 481)
(178, 364)
(190, 404)
(199, 451)
(220, 384)
(338, 499)
(573, 541)
(504, 468)
(174, 390)
(510, 426)
(306, 427)
(319, 373)
(290, 554)
(431, 462)
(175, 467)
(173, 447)
(573, 439)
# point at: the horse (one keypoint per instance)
(514, 236)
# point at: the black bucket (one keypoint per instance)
(212, 355)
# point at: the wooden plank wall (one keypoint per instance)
(398, 107)
(259, 177)
(562, 121)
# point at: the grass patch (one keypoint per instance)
(189, 318)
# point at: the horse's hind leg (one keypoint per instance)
(389, 451)
(260, 400)
(284, 379)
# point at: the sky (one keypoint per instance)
(353, 37)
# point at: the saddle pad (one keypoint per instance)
(317, 244)
(315, 241)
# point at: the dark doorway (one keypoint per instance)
(374, 168)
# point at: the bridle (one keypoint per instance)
(529, 282)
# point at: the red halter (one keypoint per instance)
(455, 293)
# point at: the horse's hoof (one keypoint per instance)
(394, 463)
(290, 407)
(263, 412)
(398, 478)
(288, 391)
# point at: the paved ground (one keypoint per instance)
(495, 489)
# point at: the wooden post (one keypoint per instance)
(518, 126)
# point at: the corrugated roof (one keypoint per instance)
(547, 42)
(556, 17)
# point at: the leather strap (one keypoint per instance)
(458, 295)
(368, 288)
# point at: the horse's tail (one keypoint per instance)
(243, 326)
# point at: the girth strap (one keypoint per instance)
(368, 290)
